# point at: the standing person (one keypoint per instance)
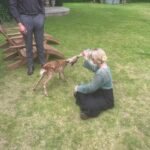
(29, 14)
(96, 96)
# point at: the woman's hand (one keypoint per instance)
(22, 28)
(75, 91)
(86, 54)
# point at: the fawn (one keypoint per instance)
(53, 67)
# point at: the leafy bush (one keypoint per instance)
(59, 2)
(77, 1)
(4, 11)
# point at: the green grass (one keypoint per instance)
(31, 121)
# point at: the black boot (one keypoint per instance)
(30, 70)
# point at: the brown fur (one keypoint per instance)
(53, 67)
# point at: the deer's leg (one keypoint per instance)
(61, 75)
(37, 83)
(46, 82)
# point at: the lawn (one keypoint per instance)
(31, 121)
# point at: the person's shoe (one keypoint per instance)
(83, 116)
(30, 70)
(42, 65)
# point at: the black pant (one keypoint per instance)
(93, 103)
(35, 26)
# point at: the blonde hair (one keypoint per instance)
(98, 55)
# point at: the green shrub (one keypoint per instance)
(4, 10)
(59, 2)
(77, 1)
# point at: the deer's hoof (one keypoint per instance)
(46, 94)
(33, 89)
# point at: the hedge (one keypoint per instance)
(4, 10)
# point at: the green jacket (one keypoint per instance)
(101, 80)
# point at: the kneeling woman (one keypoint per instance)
(96, 96)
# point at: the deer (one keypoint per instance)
(51, 68)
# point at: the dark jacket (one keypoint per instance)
(25, 7)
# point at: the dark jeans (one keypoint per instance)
(35, 26)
